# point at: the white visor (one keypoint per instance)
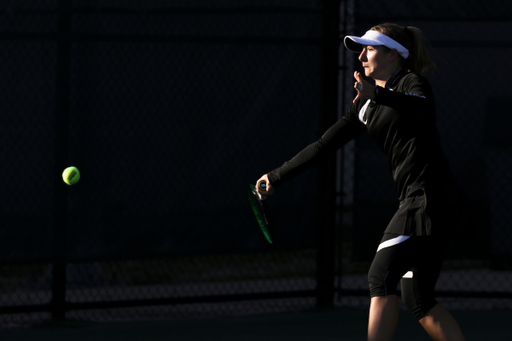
(373, 38)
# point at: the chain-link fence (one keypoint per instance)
(170, 109)
(471, 94)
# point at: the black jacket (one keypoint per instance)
(401, 119)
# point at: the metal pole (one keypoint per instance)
(60, 216)
(327, 168)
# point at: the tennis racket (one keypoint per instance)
(259, 207)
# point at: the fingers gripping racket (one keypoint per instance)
(259, 207)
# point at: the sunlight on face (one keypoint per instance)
(376, 62)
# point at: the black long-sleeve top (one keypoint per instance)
(401, 119)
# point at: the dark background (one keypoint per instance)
(170, 111)
(170, 108)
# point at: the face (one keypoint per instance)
(376, 62)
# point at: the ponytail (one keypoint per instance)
(412, 39)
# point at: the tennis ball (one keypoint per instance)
(71, 175)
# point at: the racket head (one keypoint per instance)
(259, 209)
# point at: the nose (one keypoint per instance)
(362, 56)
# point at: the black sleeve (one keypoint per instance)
(416, 92)
(334, 138)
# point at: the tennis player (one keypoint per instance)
(399, 113)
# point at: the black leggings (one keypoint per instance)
(415, 262)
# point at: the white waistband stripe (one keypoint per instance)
(392, 242)
(408, 274)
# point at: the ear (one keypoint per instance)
(393, 55)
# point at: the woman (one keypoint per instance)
(399, 113)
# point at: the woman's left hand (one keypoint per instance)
(364, 89)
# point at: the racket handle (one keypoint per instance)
(263, 186)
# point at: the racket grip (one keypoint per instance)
(263, 186)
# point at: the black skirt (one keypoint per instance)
(427, 212)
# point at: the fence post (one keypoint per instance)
(60, 216)
(327, 169)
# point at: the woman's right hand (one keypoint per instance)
(269, 189)
(366, 90)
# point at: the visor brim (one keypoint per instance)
(355, 44)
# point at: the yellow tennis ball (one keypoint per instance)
(71, 175)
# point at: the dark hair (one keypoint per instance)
(412, 39)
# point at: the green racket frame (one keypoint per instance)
(260, 212)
